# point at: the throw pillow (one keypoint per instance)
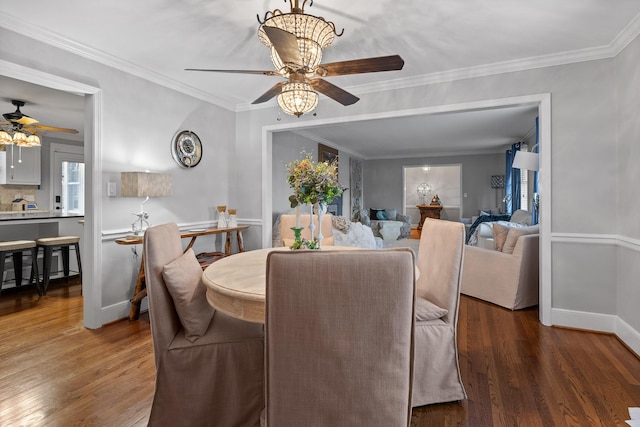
(183, 277)
(514, 233)
(500, 231)
(426, 310)
(364, 217)
(521, 217)
(391, 214)
(381, 216)
(390, 230)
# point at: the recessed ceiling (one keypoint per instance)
(157, 39)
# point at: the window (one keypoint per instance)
(67, 179)
(524, 189)
(72, 188)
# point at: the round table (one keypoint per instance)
(236, 284)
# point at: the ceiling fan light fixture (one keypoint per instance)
(297, 98)
(5, 138)
(20, 139)
(313, 34)
(311, 55)
(33, 141)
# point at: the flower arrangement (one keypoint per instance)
(305, 244)
(313, 182)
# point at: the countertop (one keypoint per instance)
(35, 215)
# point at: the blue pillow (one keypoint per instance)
(381, 215)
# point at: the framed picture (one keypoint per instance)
(327, 154)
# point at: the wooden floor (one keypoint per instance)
(517, 373)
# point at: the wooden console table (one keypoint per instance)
(428, 211)
(140, 290)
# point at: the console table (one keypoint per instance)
(140, 290)
(428, 211)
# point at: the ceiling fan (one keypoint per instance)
(296, 41)
(19, 121)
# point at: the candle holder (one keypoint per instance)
(297, 233)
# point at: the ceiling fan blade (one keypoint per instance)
(26, 120)
(285, 43)
(263, 72)
(275, 90)
(333, 91)
(359, 66)
(54, 129)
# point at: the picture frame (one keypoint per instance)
(327, 154)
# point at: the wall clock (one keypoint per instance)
(186, 149)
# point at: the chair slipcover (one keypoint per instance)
(287, 237)
(440, 257)
(508, 280)
(216, 381)
(339, 335)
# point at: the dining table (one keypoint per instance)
(236, 285)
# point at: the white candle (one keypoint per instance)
(298, 216)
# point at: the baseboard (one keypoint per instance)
(583, 320)
(119, 311)
(598, 322)
(629, 336)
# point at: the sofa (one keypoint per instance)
(388, 224)
(481, 231)
(508, 275)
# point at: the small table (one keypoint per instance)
(428, 211)
(140, 290)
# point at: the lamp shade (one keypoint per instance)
(145, 184)
(526, 160)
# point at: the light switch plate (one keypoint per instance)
(111, 189)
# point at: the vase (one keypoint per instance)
(312, 226)
(222, 217)
(322, 209)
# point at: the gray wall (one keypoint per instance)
(383, 181)
(586, 168)
(139, 120)
(288, 146)
(582, 150)
(628, 176)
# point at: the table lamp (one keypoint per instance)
(144, 184)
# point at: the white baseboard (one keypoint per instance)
(628, 335)
(598, 322)
(119, 310)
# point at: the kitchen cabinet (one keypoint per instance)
(25, 172)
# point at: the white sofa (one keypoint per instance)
(509, 280)
(485, 229)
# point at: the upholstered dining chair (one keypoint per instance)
(339, 336)
(440, 260)
(209, 366)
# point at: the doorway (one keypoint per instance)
(543, 104)
(67, 179)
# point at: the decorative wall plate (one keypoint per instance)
(186, 149)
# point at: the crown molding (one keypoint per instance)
(22, 27)
(324, 141)
(626, 35)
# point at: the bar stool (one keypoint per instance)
(63, 244)
(16, 248)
